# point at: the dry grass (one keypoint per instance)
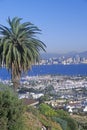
(81, 119)
(33, 122)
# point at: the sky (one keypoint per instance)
(63, 22)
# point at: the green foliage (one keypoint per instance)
(11, 111)
(62, 113)
(47, 110)
(71, 124)
(62, 122)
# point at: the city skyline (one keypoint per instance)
(63, 22)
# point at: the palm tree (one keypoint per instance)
(19, 47)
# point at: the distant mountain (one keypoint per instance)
(50, 55)
(69, 54)
(83, 54)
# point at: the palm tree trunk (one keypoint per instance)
(16, 82)
(15, 79)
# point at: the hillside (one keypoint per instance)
(46, 116)
(34, 120)
(14, 115)
(82, 121)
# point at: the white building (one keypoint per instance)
(85, 109)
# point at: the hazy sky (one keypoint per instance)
(63, 22)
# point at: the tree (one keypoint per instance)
(19, 47)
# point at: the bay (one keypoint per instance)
(58, 69)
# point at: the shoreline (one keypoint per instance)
(53, 70)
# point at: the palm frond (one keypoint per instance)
(19, 46)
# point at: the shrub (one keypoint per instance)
(47, 110)
(11, 110)
(71, 123)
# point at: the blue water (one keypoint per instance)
(70, 70)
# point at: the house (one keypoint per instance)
(36, 96)
(30, 95)
(85, 109)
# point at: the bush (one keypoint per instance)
(11, 110)
(47, 110)
(62, 122)
(71, 123)
(62, 113)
